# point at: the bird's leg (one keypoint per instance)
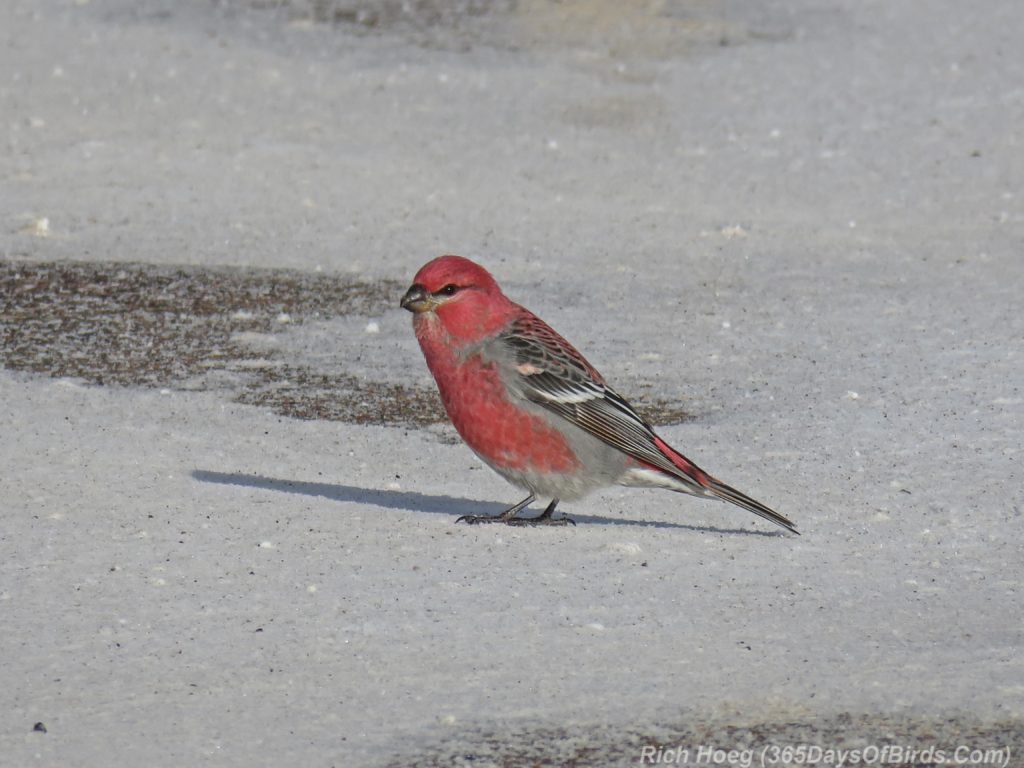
(545, 517)
(505, 517)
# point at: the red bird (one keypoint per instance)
(532, 407)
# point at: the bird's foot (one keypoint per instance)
(509, 516)
(475, 519)
(541, 520)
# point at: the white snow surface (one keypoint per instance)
(813, 236)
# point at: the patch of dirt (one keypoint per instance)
(154, 326)
(645, 28)
(385, 14)
(302, 393)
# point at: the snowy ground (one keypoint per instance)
(801, 221)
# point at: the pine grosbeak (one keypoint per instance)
(532, 407)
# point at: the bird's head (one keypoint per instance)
(458, 293)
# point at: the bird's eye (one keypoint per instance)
(448, 290)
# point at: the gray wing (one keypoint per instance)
(550, 373)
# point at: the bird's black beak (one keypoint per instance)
(417, 299)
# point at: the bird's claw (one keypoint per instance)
(474, 519)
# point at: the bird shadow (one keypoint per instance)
(421, 502)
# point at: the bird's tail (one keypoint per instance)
(728, 493)
(704, 484)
